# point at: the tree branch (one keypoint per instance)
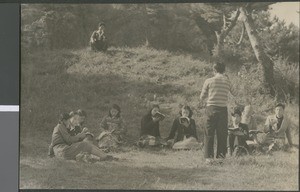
(242, 35)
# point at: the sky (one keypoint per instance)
(286, 11)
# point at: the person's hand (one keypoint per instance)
(85, 130)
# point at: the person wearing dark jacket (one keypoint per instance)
(150, 134)
(185, 128)
(238, 133)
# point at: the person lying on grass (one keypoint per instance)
(150, 134)
(185, 128)
(277, 127)
(66, 146)
(238, 133)
(112, 129)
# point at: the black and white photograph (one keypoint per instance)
(159, 96)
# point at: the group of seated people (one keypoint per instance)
(72, 140)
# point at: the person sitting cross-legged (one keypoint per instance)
(185, 127)
(277, 128)
(238, 133)
(66, 146)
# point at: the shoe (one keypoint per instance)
(209, 161)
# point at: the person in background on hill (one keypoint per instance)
(112, 129)
(277, 127)
(185, 127)
(239, 135)
(150, 134)
(98, 39)
(66, 146)
(216, 90)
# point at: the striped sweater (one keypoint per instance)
(216, 90)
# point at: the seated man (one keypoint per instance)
(238, 133)
(277, 126)
(98, 39)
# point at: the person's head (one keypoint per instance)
(101, 25)
(279, 110)
(81, 115)
(236, 116)
(154, 110)
(64, 118)
(219, 67)
(78, 117)
(186, 111)
(115, 111)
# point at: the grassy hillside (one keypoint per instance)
(53, 82)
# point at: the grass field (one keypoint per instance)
(53, 82)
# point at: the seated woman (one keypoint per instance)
(70, 147)
(112, 129)
(150, 135)
(238, 133)
(185, 128)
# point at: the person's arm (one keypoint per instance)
(193, 128)
(267, 127)
(68, 138)
(173, 129)
(103, 124)
(204, 91)
(93, 36)
(122, 129)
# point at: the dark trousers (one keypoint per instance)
(234, 140)
(217, 122)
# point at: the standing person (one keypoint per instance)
(185, 127)
(150, 134)
(112, 129)
(216, 90)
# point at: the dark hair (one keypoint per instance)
(117, 107)
(187, 108)
(280, 105)
(236, 110)
(219, 67)
(63, 117)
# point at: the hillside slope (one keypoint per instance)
(53, 82)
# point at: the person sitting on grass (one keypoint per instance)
(77, 122)
(150, 134)
(185, 127)
(238, 133)
(112, 129)
(66, 146)
(277, 127)
(98, 39)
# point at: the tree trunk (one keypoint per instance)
(264, 61)
(223, 34)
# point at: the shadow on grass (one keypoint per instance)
(108, 175)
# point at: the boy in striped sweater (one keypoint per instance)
(216, 90)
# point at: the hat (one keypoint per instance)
(280, 105)
(236, 110)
